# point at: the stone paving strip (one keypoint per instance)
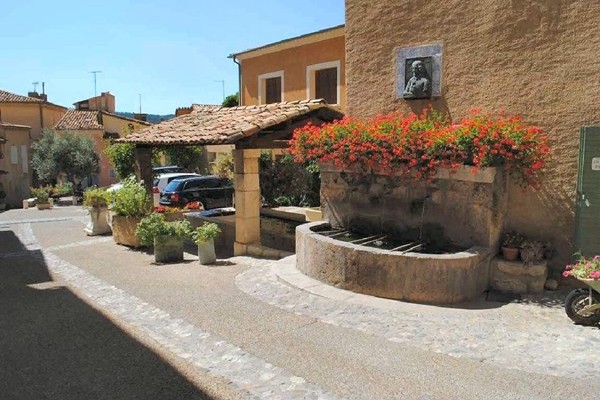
(37, 220)
(205, 352)
(525, 337)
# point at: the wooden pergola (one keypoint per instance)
(250, 129)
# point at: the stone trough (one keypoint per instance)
(411, 276)
(450, 230)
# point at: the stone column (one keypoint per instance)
(143, 167)
(247, 200)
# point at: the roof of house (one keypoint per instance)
(187, 110)
(322, 34)
(8, 97)
(91, 120)
(76, 120)
(223, 125)
(91, 99)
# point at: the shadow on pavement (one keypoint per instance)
(55, 346)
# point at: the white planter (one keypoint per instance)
(98, 224)
(206, 252)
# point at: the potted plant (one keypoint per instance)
(533, 251)
(96, 201)
(166, 236)
(204, 236)
(128, 205)
(42, 198)
(582, 305)
(511, 244)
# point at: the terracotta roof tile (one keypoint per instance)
(7, 97)
(222, 125)
(77, 119)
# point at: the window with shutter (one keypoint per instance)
(271, 87)
(326, 85)
(323, 81)
(273, 90)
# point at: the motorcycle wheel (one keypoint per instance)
(578, 299)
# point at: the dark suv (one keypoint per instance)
(212, 191)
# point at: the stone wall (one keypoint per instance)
(464, 208)
(538, 58)
(422, 278)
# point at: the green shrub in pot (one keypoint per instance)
(204, 236)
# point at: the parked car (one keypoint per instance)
(211, 190)
(166, 169)
(161, 181)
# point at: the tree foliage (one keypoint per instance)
(285, 183)
(232, 100)
(224, 166)
(122, 158)
(188, 157)
(71, 154)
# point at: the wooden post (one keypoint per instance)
(247, 200)
(143, 167)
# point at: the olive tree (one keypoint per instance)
(70, 154)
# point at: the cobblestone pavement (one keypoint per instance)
(530, 337)
(503, 339)
(204, 351)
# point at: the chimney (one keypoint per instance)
(43, 96)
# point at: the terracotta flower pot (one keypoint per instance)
(510, 253)
(124, 230)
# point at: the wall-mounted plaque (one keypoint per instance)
(419, 72)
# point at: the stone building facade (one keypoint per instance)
(537, 58)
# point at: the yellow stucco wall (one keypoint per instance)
(16, 182)
(51, 116)
(116, 125)
(293, 62)
(29, 114)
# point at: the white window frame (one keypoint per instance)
(310, 78)
(262, 87)
(14, 155)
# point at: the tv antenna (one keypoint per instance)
(95, 73)
(223, 86)
(35, 86)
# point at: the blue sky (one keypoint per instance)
(170, 52)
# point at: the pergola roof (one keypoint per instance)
(222, 125)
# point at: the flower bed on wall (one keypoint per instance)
(417, 146)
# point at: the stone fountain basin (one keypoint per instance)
(415, 277)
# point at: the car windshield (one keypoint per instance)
(173, 185)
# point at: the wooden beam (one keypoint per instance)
(263, 144)
(274, 140)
